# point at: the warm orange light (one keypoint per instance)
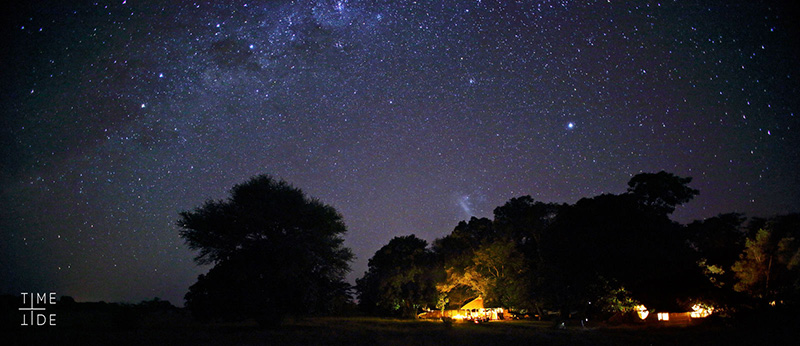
(663, 316)
(641, 311)
(475, 314)
(701, 311)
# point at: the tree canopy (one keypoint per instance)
(400, 278)
(661, 192)
(613, 250)
(769, 266)
(274, 252)
(718, 241)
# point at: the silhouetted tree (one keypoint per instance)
(586, 247)
(466, 236)
(623, 240)
(661, 192)
(66, 300)
(524, 221)
(400, 278)
(718, 241)
(274, 250)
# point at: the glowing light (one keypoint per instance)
(570, 125)
(701, 311)
(663, 316)
(641, 311)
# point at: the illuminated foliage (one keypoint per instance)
(754, 267)
(497, 273)
(718, 241)
(614, 299)
(602, 256)
(769, 266)
(399, 279)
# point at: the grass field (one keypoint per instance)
(177, 329)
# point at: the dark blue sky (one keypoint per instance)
(406, 116)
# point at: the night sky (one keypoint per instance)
(406, 116)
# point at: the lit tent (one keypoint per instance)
(473, 310)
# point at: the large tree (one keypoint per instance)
(718, 241)
(400, 278)
(497, 272)
(455, 253)
(769, 266)
(525, 222)
(274, 252)
(661, 192)
(613, 242)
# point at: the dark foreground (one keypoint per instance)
(176, 328)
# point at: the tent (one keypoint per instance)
(473, 310)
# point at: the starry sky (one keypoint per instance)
(406, 116)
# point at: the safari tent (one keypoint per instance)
(473, 310)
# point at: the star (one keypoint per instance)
(392, 125)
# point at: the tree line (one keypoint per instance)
(601, 256)
(276, 252)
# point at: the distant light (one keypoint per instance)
(143, 105)
(641, 311)
(571, 125)
(701, 310)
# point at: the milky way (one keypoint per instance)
(406, 116)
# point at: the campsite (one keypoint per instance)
(380, 172)
(526, 277)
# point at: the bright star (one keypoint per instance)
(571, 125)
